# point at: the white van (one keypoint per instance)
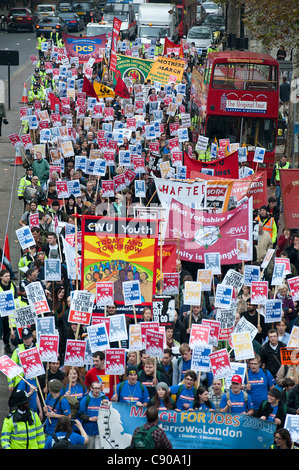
(157, 20)
(124, 11)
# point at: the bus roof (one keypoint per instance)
(242, 56)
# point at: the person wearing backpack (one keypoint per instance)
(56, 406)
(258, 382)
(185, 393)
(63, 436)
(89, 411)
(131, 390)
(236, 400)
(150, 436)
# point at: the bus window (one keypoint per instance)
(243, 76)
(255, 132)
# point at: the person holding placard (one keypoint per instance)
(182, 364)
(28, 342)
(197, 315)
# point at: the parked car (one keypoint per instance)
(202, 36)
(216, 21)
(21, 18)
(46, 26)
(212, 8)
(45, 10)
(87, 10)
(72, 21)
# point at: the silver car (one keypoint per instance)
(43, 11)
(212, 8)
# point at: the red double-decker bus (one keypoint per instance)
(236, 96)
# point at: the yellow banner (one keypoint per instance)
(166, 70)
(103, 91)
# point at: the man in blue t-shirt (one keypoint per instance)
(235, 400)
(131, 391)
(185, 393)
(260, 381)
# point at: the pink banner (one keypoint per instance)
(200, 232)
(227, 166)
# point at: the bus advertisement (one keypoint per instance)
(235, 96)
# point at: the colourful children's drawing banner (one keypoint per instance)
(119, 250)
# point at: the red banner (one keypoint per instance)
(289, 182)
(226, 166)
(170, 46)
(115, 35)
(201, 232)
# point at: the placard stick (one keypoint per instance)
(76, 247)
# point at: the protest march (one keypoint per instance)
(149, 275)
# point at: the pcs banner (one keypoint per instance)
(84, 48)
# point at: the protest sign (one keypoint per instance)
(81, 307)
(192, 293)
(200, 360)
(171, 283)
(104, 293)
(115, 361)
(294, 287)
(98, 337)
(273, 310)
(131, 291)
(48, 347)
(199, 335)
(24, 316)
(118, 328)
(243, 347)
(135, 339)
(7, 303)
(214, 330)
(144, 326)
(289, 356)
(25, 237)
(75, 353)
(163, 69)
(44, 326)
(37, 298)
(31, 363)
(220, 363)
(259, 292)
(9, 367)
(154, 343)
(52, 269)
(224, 296)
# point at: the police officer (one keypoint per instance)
(25, 181)
(22, 428)
(159, 49)
(36, 93)
(40, 40)
(275, 179)
(213, 48)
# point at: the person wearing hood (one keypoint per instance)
(88, 414)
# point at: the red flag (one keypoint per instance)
(171, 45)
(120, 87)
(53, 101)
(89, 89)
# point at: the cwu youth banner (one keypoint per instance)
(186, 429)
(84, 47)
(200, 232)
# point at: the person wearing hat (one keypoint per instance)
(236, 400)
(268, 222)
(131, 390)
(149, 377)
(22, 428)
(28, 342)
(57, 210)
(162, 398)
(56, 406)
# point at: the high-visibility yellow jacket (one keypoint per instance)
(269, 226)
(22, 435)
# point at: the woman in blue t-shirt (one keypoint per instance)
(202, 401)
(64, 428)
